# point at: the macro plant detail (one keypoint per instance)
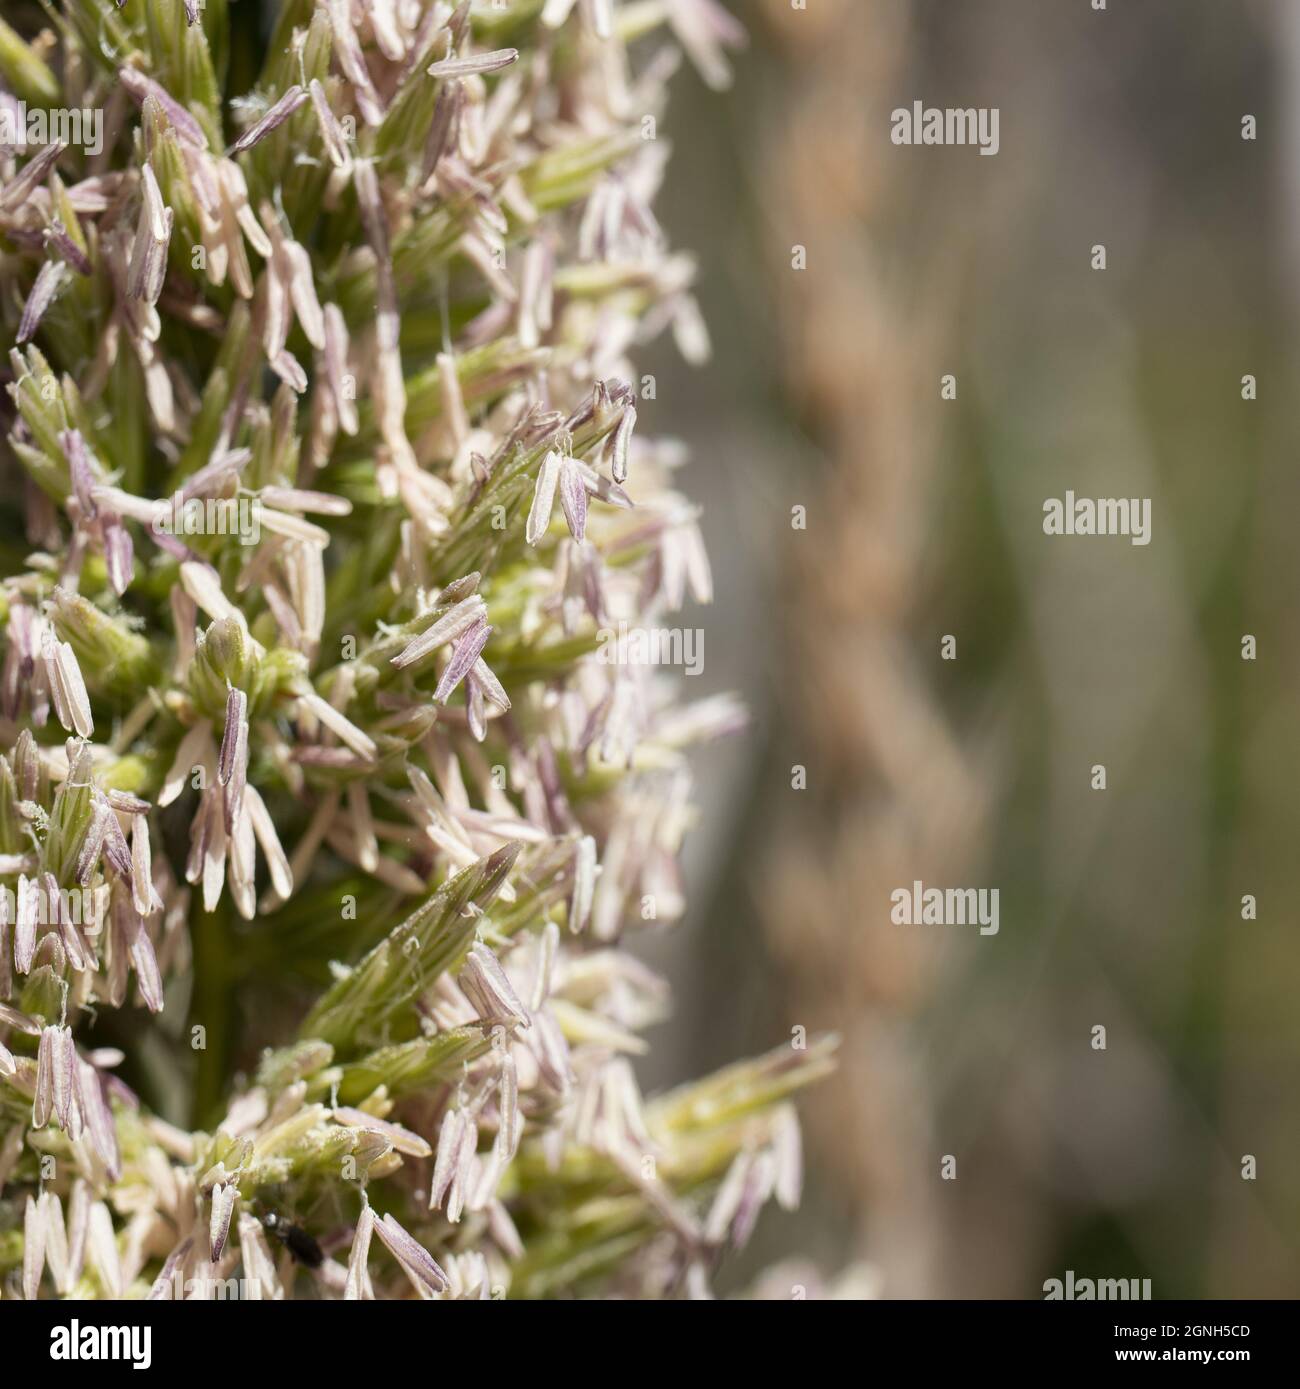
(322, 825)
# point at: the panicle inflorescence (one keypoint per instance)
(325, 478)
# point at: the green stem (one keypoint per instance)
(212, 1008)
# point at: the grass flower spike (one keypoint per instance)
(324, 828)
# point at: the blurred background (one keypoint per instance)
(1120, 908)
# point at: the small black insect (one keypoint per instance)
(295, 1239)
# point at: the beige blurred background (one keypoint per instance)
(924, 518)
